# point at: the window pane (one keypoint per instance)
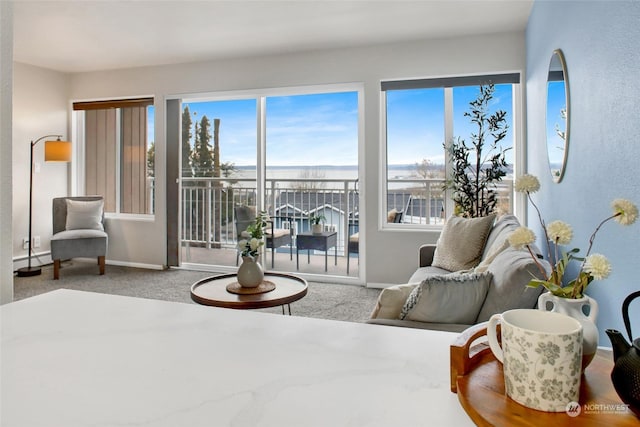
(218, 168)
(312, 161)
(312, 143)
(310, 130)
(415, 154)
(151, 158)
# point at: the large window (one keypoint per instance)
(420, 117)
(118, 153)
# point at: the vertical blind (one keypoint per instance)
(101, 163)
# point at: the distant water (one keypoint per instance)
(321, 172)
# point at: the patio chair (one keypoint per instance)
(78, 230)
(353, 247)
(274, 237)
(354, 239)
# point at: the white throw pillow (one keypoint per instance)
(84, 215)
(452, 298)
(462, 242)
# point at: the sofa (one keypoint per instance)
(469, 275)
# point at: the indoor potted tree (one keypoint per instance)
(477, 166)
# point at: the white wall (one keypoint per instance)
(40, 107)
(6, 89)
(145, 243)
(600, 42)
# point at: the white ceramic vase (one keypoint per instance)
(574, 308)
(250, 272)
(316, 228)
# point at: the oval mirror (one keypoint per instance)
(557, 115)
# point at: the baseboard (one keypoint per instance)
(44, 258)
(37, 260)
(136, 265)
(379, 285)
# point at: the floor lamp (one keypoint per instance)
(54, 151)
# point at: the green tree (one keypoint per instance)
(227, 169)
(477, 166)
(151, 159)
(202, 155)
(187, 170)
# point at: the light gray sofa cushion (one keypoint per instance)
(423, 273)
(453, 298)
(512, 270)
(462, 242)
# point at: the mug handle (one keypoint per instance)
(492, 336)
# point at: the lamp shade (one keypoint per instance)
(57, 151)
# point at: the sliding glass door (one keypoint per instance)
(294, 156)
(218, 172)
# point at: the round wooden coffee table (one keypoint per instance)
(213, 291)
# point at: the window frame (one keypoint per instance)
(449, 83)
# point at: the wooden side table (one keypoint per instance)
(213, 291)
(477, 378)
(320, 242)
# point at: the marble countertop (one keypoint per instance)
(71, 358)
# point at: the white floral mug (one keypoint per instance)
(541, 353)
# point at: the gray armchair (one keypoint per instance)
(78, 230)
(354, 239)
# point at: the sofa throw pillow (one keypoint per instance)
(452, 298)
(84, 215)
(462, 242)
(391, 215)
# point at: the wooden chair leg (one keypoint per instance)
(101, 264)
(56, 269)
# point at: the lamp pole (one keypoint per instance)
(32, 271)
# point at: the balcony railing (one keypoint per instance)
(208, 218)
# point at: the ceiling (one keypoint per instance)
(87, 35)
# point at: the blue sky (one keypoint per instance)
(415, 121)
(310, 130)
(556, 101)
(322, 129)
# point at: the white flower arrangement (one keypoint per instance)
(559, 233)
(253, 237)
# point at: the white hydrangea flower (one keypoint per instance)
(242, 244)
(559, 232)
(254, 244)
(598, 266)
(627, 212)
(527, 184)
(521, 237)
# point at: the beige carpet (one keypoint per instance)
(323, 300)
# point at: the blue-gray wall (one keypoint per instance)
(600, 40)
